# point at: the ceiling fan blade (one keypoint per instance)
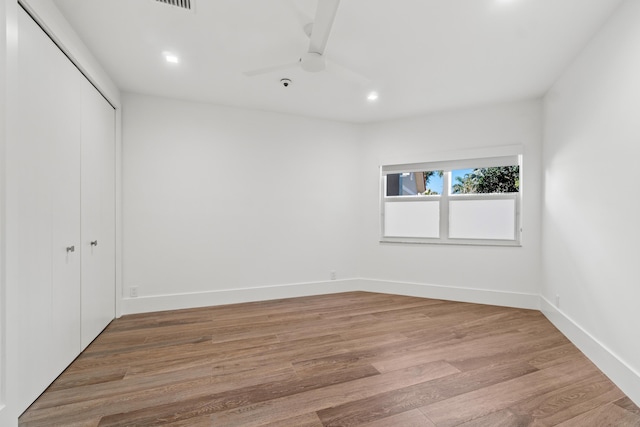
(346, 73)
(325, 15)
(271, 69)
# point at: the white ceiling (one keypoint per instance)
(420, 55)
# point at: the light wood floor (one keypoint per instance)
(336, 360)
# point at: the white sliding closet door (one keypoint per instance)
(29, 257)
(98, 213)
(60, 197)
(65, 177)
(43, 200)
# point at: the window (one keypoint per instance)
(471, 201)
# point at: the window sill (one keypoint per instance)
(455, 242)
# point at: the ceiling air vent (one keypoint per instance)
(184, 4)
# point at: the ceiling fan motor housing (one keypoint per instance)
(313, 62)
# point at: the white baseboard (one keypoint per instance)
(477, 296)
(627, 379)
(234, 296)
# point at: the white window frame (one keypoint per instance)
(446, 197)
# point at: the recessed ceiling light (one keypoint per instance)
(171, 58)
(373, 96)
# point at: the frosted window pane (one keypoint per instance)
(482, 219)
(412, 219)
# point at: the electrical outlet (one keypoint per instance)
(332, 275)
(557, 301)
(133, 291)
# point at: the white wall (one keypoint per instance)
(510, 274)
(219, 199)
(3, 136)
(8, 54)
(591, 207)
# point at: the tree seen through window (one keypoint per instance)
(500, 179)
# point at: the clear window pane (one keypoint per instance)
(500, 179)
(482, 219)
(414, 183)
(412, 219)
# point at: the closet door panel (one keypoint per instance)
(66, 212)
(98, 213)
(43, 194)
(29, 232)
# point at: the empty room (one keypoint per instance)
(313, 213)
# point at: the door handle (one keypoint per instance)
(71, 249)
(94, 243)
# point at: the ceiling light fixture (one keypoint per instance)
(171, 58)
(373, 96)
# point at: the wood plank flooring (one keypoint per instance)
(351, 359)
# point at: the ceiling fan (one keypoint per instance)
(314, 59)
